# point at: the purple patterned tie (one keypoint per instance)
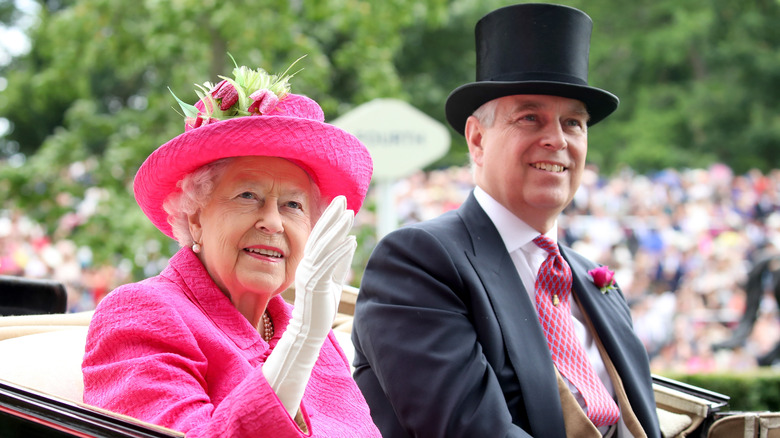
(553, 288)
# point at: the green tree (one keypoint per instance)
(696, 79)
(90, 101)
(696, 82)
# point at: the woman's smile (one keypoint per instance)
(264, 252)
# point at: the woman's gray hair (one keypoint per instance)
(196, 189)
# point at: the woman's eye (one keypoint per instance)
(295, 205)
(247, 195)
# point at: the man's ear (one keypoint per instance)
(473, 133)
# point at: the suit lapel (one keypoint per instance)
(523, 336)
(611, 321)
(607, 311)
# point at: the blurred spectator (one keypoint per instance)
(26, 251)
(680, 242)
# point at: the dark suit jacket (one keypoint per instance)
(448, 343)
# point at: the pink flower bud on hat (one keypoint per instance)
(197, 122)
(226, 95)
(264, 101)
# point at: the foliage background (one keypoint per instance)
(755, 391)
(89, 101)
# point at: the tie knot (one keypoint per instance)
(546, 244)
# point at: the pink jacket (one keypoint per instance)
(172, 350)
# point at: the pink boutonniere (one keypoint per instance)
(603, 278)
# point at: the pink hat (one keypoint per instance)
(275, 124)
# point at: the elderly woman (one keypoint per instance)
(209, 347)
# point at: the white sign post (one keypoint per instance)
(401, 140)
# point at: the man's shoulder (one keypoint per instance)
(444, 220)
(447, 226)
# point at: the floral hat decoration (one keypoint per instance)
(254, 114)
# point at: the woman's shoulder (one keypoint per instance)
(155, 289)
(154, 298)
(141, 315)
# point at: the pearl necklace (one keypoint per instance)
(268, 328)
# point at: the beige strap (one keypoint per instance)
(627, 414)
(574, 419)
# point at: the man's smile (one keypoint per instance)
(550, 167)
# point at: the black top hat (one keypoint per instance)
(531, 48)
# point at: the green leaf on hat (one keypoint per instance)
(189, 110)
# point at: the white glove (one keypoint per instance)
(318, 282)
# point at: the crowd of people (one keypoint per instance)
(26, 250)
(681, 243)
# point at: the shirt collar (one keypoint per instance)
(513, 231)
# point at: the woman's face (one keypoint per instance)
(253, 229)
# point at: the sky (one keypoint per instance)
(13, 41)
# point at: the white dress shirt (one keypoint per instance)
(528, 257)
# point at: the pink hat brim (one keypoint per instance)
(337, 161)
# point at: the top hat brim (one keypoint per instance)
(464, 100)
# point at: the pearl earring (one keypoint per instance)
(196, 248)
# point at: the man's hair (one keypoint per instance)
(486, 113)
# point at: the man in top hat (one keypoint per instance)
(477, 323)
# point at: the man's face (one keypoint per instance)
(532, 157)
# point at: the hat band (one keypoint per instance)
(538, 76)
